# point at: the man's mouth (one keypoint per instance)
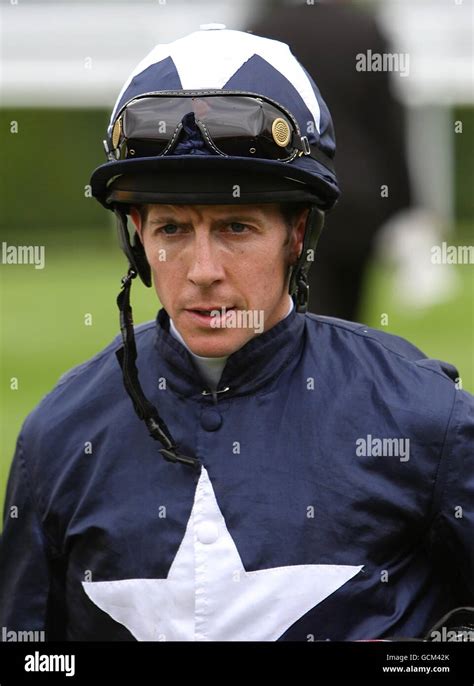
(211, 310)
(209, 315)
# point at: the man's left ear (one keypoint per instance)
(298, 236)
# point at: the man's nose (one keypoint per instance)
(205, 263)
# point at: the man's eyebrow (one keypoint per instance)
(238, 218)
(164, 219)
(169, 219)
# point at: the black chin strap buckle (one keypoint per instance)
(127, 279)
(127, 356)
(302, 294)
(173, 455)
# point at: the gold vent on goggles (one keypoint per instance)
(281, 132)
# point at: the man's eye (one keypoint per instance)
(237, 227)
(168, 229)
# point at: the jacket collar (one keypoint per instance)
(248, 369)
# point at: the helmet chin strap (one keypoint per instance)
(133, 249)
(299, 287)
(127, 354)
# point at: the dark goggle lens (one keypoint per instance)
(236, 125)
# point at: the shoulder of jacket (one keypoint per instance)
(386, 344)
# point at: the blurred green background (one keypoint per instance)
(44, 313)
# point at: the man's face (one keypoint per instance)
(208, 257)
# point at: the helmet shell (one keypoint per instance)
(227, 60)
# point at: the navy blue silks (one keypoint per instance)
(290, 450)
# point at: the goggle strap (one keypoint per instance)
(303, 145)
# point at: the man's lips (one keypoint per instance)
(208, 309)
(207, 315)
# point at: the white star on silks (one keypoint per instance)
(208, 595)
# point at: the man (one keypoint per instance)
(316, 481)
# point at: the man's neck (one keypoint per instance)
(211, 368)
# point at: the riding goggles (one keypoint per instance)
(235, 124)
